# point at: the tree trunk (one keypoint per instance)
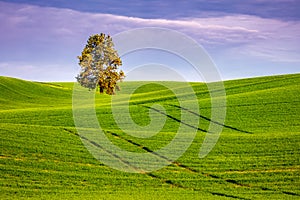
(118, 88)
(101, 90)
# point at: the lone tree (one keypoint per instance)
(99, 63)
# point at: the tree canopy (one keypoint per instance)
(99, 63)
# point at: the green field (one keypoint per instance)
(257, 155)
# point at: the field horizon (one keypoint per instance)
(256, 157)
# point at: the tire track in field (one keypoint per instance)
(140, 146)
(290, 193)
(153, 152)
(170, 182)
(208, 119)
(180, 165)
(128, 163)
(187, 168)
(229, 196)
(104, 149)
(175, 119)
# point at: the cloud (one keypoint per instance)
(21, 21)
(278, 9)
(44, 36)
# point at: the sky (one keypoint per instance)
(40, 40)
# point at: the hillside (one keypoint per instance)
(256, 157)
(17, 94)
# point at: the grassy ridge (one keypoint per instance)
(16, 93)
(43, 157)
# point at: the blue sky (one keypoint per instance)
(41, 39)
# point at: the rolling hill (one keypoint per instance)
(256, 157)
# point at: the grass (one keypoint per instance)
(256, 157)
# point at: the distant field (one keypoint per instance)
(257, 155)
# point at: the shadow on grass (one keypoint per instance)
(175, 119)
(208, 119)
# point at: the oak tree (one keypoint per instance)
(99, 63)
